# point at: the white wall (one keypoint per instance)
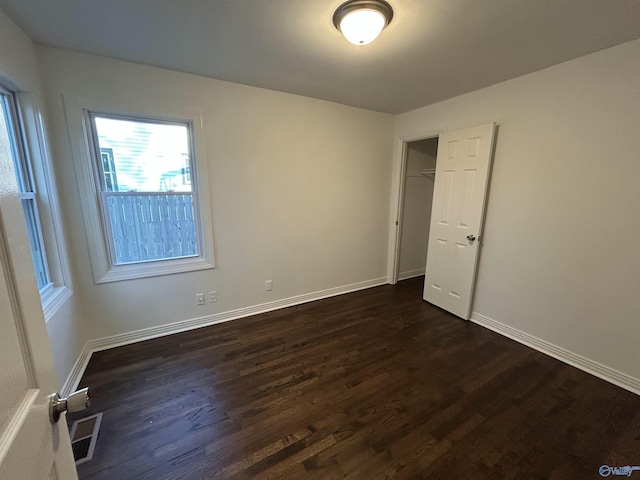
(19, 68)
(416, 208)
(561, 260)
(18, 61)
(300, 192)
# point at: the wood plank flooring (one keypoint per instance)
(375, 384)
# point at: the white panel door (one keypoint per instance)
(30, 445)
(462, 174)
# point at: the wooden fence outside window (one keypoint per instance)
(151, 226)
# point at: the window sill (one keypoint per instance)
(53, 299)
(154, 269)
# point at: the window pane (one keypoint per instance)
(143, 156)
(35, 243)
(150, 227)
(5, 142)
(9, 135)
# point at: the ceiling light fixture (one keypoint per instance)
(361, 21)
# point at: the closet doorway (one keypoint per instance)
(415, 212)
(450, 241)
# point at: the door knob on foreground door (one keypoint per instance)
(75, 402)
(471, 238)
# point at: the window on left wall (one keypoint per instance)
(12, 144)
(32, 177)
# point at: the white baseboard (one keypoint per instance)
(594, 368)
(73, 379)
(95, 345)
(410, 274)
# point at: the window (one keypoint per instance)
(150, 200)
(22, 139)
(109, 170)
(146, 194)
(12, 144)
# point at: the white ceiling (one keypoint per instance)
(432, 50)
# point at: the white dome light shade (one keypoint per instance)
(361, 21)
(362, 26)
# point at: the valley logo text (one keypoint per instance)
(606, 470)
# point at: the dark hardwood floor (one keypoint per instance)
(375, 384)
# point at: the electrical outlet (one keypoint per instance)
(199, 298)
(268, 285)
(213, 296)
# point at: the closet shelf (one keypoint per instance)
(426, 172)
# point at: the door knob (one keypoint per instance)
(471, 238)
(75, 402)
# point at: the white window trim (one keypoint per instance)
(80, 135)
(54, 296)
(36, 151)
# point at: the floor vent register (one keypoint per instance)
(84, 434)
